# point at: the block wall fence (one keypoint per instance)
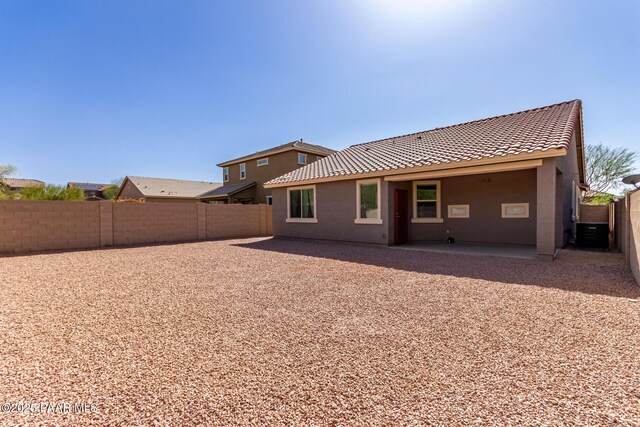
(630, 232)
(33, 226)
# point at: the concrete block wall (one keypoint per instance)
(138, 223)
(32, 226)
(27, 226)
(633, 233)
(594, 213)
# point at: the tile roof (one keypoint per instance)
(163, 187)
(88, 186)
(227, 190)
(525, 132)
(294, 145)
(21, 182)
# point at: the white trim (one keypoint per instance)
(427, 220)
(265, 159)
(506, 206)
(315, 206)
(471, 170)
(450, 209)
(306, 159)
(243, 171)
(269, 198)
(225, 174)
(367, 221)
(438, 217)
(360, 220)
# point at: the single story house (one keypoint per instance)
(17, 184)
(510, 179)
(92, 191)
(163, 189)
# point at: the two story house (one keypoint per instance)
(244, 177)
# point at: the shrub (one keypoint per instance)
(51, 192)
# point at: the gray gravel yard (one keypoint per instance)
(263, 332)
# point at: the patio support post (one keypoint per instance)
(546, 209)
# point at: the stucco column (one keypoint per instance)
(546, 209)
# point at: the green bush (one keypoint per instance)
(51, 192)
(111, 192)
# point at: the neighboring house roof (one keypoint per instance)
(20, 182)
(537, 132)
(87, 186)
(294, 145)
(163, 187)
(227, 190)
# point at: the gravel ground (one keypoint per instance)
(270, 332)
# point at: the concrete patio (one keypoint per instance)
(509, 251)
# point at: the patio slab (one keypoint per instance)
(509, 251)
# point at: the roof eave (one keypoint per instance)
(555, 152)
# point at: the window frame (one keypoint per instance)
(360, 220)
(306, 158)
(315, 205)
(270, 198)
(438, 218)
(225, 174)
(264, 159)
(506, 206)
(450, 209)
(243, 170)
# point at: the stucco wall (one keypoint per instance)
(568, 166)
(336, 212)
(484, 194)
(45, 225)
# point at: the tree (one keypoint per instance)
(606, 166)
(112, 191)
(51, 192)
(5, 171)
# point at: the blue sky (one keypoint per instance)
(95, 90)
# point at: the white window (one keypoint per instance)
(426, 201)
(263, 162)
(269, 200)
(368, 202)
(302, 159)
(225, 174)
(243, 170)
(458, 211)
(301, 204)
(515, 210)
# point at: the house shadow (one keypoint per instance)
(593, 273)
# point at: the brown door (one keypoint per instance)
(400, 216)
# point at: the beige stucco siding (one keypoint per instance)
(130, 191)
(568, 167)
(279, 164)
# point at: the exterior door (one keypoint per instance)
(400, 216)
